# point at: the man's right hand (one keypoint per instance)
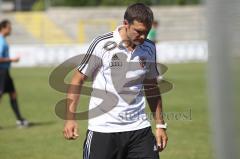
(70, 130)
(15, 59)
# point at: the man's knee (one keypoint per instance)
(13, 95)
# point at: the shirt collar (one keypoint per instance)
(118, 38)
(116, 35)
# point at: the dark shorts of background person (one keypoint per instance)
(138, 144)
(6, 82)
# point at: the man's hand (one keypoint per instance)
(70, 130)
(161, 137)
(15, 59)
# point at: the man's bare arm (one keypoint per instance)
(4, 60)
(154, 100)
(70, 129)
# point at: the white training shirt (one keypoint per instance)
(117, 82)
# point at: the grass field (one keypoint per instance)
(185, 105)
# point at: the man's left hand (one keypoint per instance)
(161, 137)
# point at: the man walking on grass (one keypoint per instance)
(122, 63)
(6, 82)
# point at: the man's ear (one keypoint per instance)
(125, 23)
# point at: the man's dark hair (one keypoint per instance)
(139, 12)
(4, 23)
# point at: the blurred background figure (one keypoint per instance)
(152, 35)
(6, 82)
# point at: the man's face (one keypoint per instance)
(136, 32)
(7, 30)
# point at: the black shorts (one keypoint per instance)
(6, 82)
(138, 144)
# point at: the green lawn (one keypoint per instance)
(188, 132)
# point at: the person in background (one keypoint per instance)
(6, 82)
(152, 35)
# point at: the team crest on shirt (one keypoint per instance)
(142, 62)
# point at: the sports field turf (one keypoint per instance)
(185, 105)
